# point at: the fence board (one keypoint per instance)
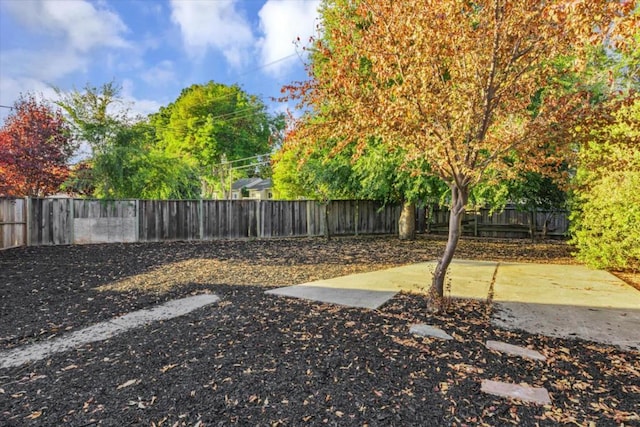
(315, 218)
(283, 218)
(13, 223)
(50, 222)
(161, 220)
(228, 219)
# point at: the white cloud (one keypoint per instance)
(137, 107)
(82, 25)
(41, 65)
(76, 27)
(12, 88)
(218, 25)
(282, 23)
(159, 75)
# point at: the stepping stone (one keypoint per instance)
(425, 330)
(515, 350)
(537, 395)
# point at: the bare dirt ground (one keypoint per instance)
(256, 359)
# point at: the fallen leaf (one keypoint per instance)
(34, 415)
(127, 384)
(165, 368)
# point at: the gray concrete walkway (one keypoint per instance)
(564, 301)
(104, 330)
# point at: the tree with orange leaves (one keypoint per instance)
(468, 86)
(35, 146)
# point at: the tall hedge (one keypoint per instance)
(606, 229)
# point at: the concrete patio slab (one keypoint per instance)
(362, 298)
(619, 327)
(574, 285)
(567, 301)
(469, 279)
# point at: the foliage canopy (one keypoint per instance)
(466, 86)
(35, 146)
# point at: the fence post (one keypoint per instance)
(137, 223)
(201, 218)
(309, 232)
(475, 223)
(356, 214)
(259, 227)
(72, 221)
(28, 216)
(25, 226)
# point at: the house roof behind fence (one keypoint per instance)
(257, 184)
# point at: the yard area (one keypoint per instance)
(256, 359)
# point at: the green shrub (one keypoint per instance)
(606, 227)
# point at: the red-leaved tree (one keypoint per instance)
(35, 146)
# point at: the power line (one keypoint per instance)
(268, 64)
(248, 158)
(233, 113)
(6, 106)
(253, 165)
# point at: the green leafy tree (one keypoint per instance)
(213, 124)
(126, 159)
(315, 175)
(134, 167)
(95, 114)
(376, 173)
(80, 181)
(388, 175)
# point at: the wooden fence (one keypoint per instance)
(76, 221)
(508, 223)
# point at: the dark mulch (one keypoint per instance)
(256, 359)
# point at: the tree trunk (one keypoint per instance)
(407, 222)
(532, 225)
(545, 226)
(459, 197)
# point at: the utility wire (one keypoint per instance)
(268, 64)
(246, 158)
(222, 116)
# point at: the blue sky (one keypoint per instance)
(152, 48)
